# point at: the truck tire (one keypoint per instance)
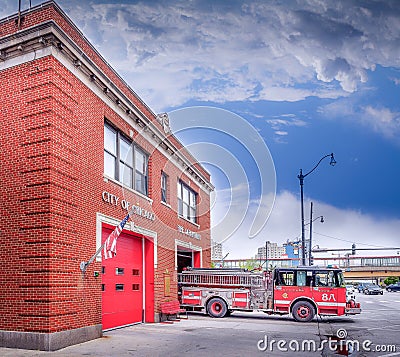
(216, 307)
(303, 311)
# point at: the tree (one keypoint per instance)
(250, 264)
(391, 280)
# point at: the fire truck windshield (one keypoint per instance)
(341, 279)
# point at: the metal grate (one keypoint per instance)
(238, 279)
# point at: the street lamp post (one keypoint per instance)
(301, 178)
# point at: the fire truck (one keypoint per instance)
(302, 292)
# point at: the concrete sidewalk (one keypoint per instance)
(200, 335)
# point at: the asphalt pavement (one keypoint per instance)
(249, 334)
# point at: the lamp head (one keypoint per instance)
(322, 219)
(333, 161)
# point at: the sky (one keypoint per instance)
(271, 87)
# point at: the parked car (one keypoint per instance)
(393, 287)
(373, 289)
(361, 287)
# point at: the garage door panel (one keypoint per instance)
(122, 277)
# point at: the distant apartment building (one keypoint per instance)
(293, 251)
(273, 251)
(216, 250)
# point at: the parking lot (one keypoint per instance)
(248, 334)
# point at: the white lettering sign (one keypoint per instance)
(113, 200)
(189, 232)
(109, 198)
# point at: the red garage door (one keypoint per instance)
(122, 279)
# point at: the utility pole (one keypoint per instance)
(309, 247)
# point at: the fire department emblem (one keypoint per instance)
(285, 295)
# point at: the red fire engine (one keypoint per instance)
(301, 291)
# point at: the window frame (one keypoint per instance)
(286, 278)
(164, 187)
(123, 161)
(135, 151)
(108, 152)
(144, 175)
(189, 207)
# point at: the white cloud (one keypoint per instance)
(178, 51)
(341, 228)
(281, 123)
(383, 120)
(383, 115)
(217, 51)
(380, 119)
(282, 133)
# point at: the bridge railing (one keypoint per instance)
(341, 262)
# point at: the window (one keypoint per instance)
(135, 287)
(187, 199)
(135, 272)
(140, 171)
(164, 187)
(119, 287)
(119, 271)
(301, 278)
(124, 161)
(285, 278)
(325, 278)
(110, 151)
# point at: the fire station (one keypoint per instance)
(80, 149)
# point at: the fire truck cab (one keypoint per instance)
(302, 292)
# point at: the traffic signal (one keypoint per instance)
(353, 249)
(311, 260)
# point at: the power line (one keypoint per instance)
(322, 250)
(343, 240)
(349, 241)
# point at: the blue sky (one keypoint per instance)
(311, 77)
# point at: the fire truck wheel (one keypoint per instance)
(216, 307)
(303, 311)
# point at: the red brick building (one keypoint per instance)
(78, 149)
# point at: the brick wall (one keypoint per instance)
(52, 184)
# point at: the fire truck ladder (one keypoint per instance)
(220, 278)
